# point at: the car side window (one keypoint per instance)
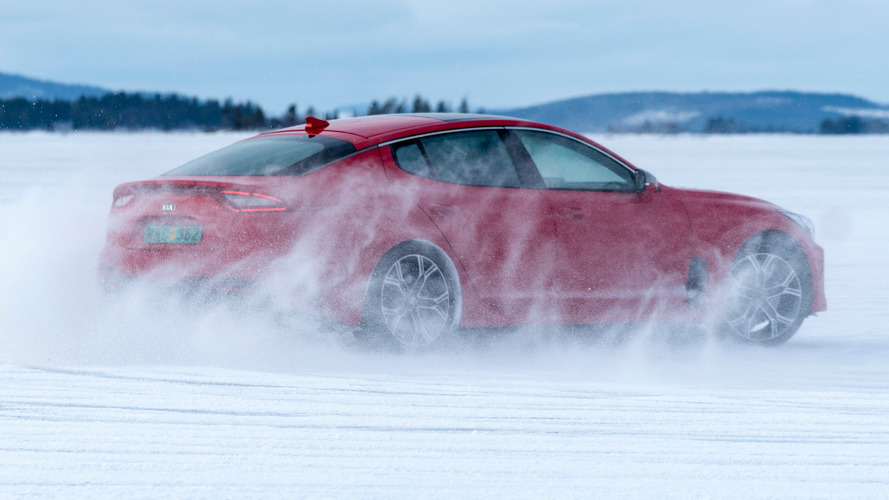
(474, 158)
(411, 159)
(565, 163)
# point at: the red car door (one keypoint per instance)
(502, 235)
(620, 253)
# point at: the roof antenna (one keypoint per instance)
(315, 124)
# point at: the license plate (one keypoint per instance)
(172, 235)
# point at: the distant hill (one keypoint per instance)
(767, 111)
(656, 112)
(12, 86)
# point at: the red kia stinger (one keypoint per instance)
(411, 227)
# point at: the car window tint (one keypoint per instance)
(475, 158)
(569, 164)
(410, 158)
(276, 155)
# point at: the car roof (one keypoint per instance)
(366, 131)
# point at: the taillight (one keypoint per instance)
(240, 201)
(120, 201)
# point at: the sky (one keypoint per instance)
(496, 54)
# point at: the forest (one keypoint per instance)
(135, 111)
(139, 111)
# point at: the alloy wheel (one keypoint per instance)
(765, 297)
(415, 300)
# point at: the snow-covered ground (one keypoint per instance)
(147, 399)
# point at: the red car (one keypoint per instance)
(411, 227)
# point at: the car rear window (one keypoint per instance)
(275, 155)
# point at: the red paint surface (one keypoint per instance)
(523, 255)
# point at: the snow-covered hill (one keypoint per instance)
(12, 86)
(763, 111)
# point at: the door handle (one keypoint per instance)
(443, 210)
(572, 213)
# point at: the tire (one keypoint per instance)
(413, 300)
(769, 290)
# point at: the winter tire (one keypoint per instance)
(769, 291)
(413, 299)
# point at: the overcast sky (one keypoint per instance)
(495, 53)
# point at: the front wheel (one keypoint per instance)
(413, 299)
(769, 292)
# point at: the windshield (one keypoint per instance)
(275, 155)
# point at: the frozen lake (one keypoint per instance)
(150, 400)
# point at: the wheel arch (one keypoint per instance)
(775, 239)
(769, 238)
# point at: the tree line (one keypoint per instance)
(135, 111)
(854, 125)
(129, 111)
(418, 105)
(724, 125)
(845, 125)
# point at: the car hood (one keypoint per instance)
(709, 197)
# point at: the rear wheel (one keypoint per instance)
(769, 291)
(413, 299)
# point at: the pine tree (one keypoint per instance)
(291, 118)
(421, 105)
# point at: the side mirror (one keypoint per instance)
(640, 180)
